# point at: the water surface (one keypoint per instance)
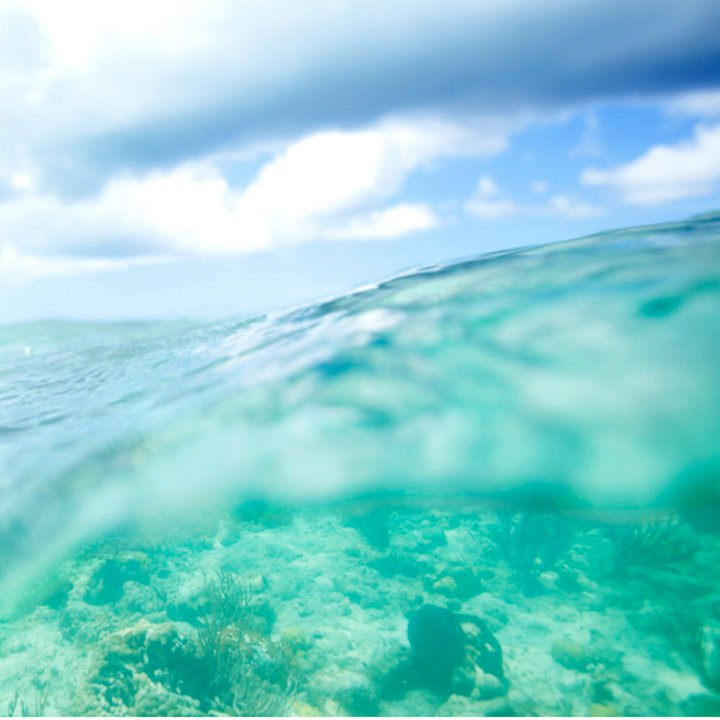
(243, 516)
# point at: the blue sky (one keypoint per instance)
(166, 159)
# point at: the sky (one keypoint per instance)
(187, 158)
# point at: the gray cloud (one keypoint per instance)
(237, 73)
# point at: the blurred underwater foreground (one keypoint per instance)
(486, 488)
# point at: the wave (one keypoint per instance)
(582, 374)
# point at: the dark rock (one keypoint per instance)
(461, 583)
(106, 583)
(261, 512)
(468, 583)
(188, 610)
(373, 526)
(393, 675)
(260, 616)
(432, 540)
(437, 641)
(395, 563)
(701, 706)
(57, 599)
(442, 640)
(359, 700)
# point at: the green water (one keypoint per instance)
(484, 488)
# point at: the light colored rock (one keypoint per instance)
(603, 710)
(571, 654)
(487, 686)
(460, 706)
(549, 579)
(446, 585)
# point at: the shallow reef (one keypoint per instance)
(384, 610)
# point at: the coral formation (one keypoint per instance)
(454, 616)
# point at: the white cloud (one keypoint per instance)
(488, 203)
(539, 187)
(666, 172)
(385, 224)
(486, 187)
(333, 175)
(330, 185)
(492, 209)
(571, 208)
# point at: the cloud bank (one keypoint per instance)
(329, 185)
(666, 172)
(133, 85)
(124, 123)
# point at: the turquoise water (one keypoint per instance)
(483, 488)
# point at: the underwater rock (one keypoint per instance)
(392, 674)
(188, 610)
(359, 700)
(482, 647)
(80, 622)
(549, 580)
(261, 512)
(156, 651)
(107, 582)
(461, 706)
(710, 652)
(350, 693)
(295, 640)
(458, 583)
(437, 641)
(470, 680)
(469, 582)
(487, 686)
(303, 709)
(395, 563)
(431, 540)
(462, 681)
(571, 655)
(701, 706)
(140, 598)
(650, 618)
(603, 710)
(260, 615)
(58, 596)
(452, 652)
(373, 526)
(446, 585)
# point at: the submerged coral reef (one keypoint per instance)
(413, 611)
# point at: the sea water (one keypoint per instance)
(488, 487)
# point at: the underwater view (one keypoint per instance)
(485, 488)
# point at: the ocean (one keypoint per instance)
(483, 488)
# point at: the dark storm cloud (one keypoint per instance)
(486, 57)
